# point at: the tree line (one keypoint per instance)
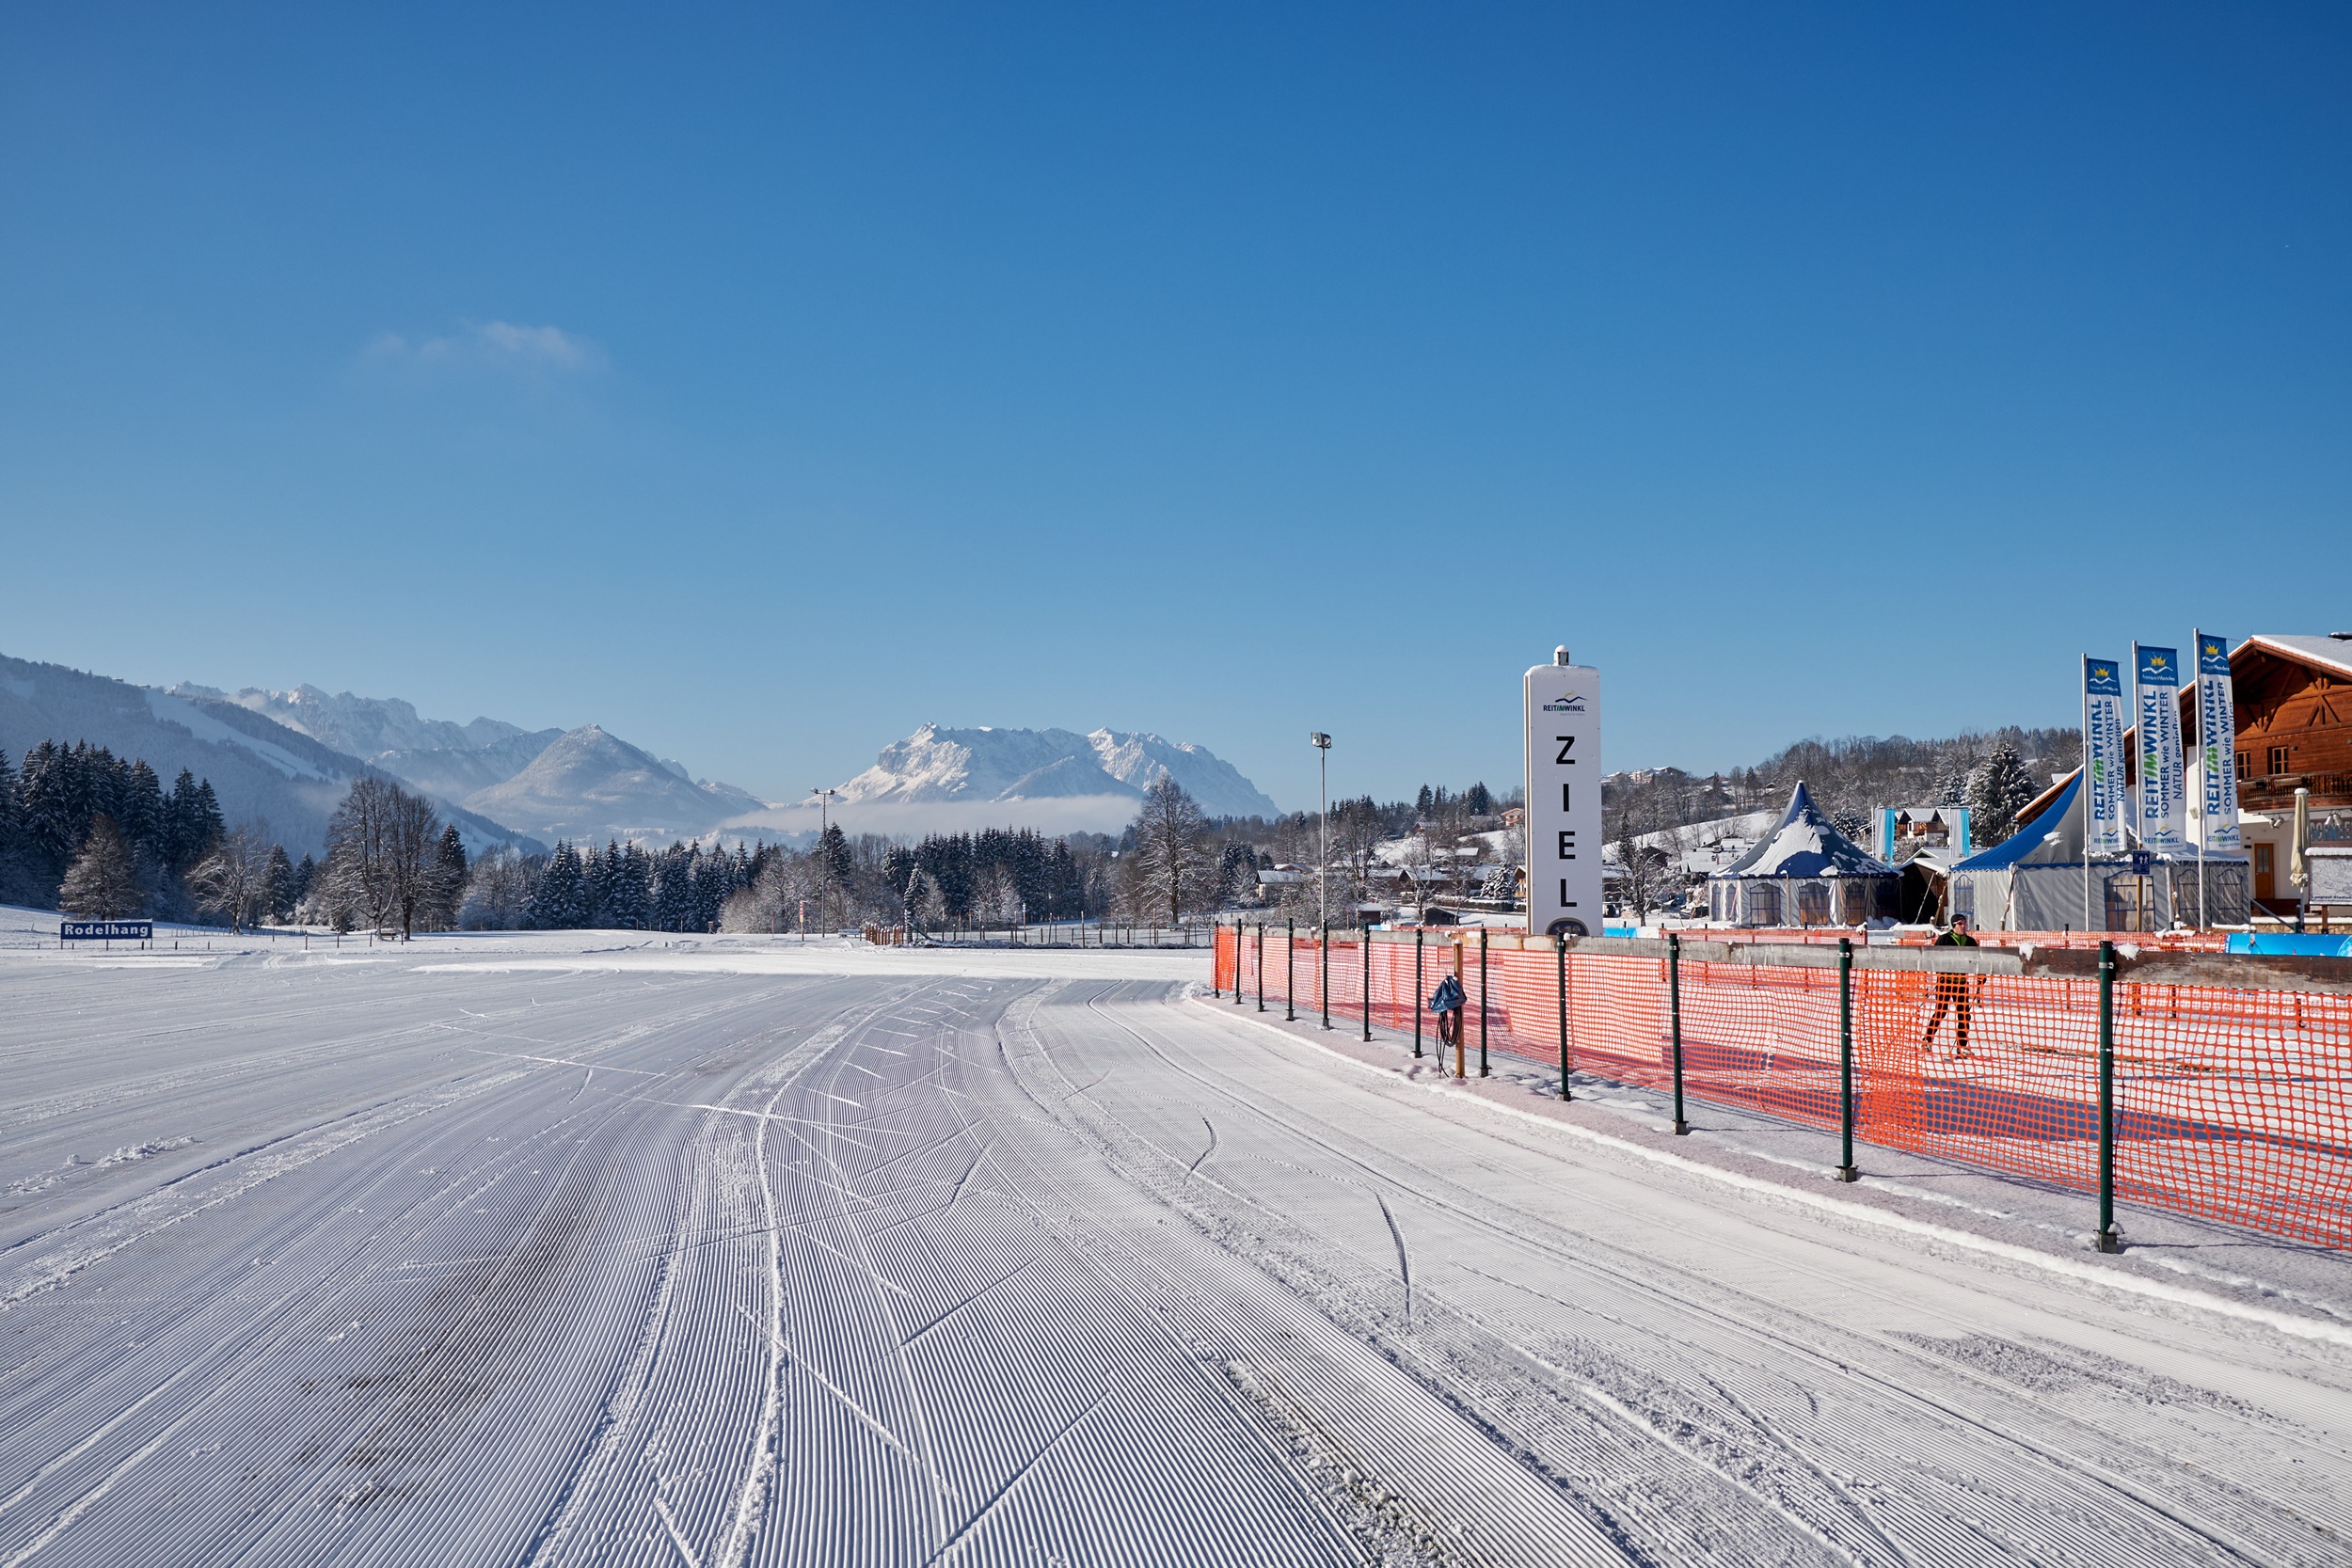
(151, 838)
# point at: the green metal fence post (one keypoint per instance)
(1560, 956)
(1290, 970)
(1416, 994)
(1363, 953)
(1846, 1171)
(1481, 1002)
(1674, 1014)
(2108, 1240)
(1262, 966)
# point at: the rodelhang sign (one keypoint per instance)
(105, 931)
(2163, 808)
(2217, 747)
(2103, 756)
(1563, 832)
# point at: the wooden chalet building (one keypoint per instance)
(2294, 731)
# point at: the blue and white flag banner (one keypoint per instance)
(2103, 756)
(2216, 746)
(2163, 806)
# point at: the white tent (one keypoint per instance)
(2033, 880)
(1803, 873)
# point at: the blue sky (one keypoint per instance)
(762, 384)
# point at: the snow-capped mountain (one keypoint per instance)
(989, 764)
(447, 759)
(590, 784)
(257, 767)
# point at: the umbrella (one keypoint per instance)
(2298, 853)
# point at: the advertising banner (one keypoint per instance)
(2217, 747)
(2103, 756)
(1563, 832)
(2163, 808)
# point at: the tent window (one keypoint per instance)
(1852, 900)
(1812, 903)
(1763, 904)
(1964, 898)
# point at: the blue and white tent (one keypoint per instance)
(1805, 872)
(2033, 880)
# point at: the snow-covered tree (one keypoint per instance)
(279, 894)
(231, 883)
(447, 891)
(1996, 794)
(102, 883)
(499, 889)
(1174, 868)
(559, 902)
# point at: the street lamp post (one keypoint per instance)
(824, 851)
(1323, 829)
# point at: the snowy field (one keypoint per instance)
(585, 1247)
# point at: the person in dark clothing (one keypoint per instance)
(1951, 991)
(1447, 1005)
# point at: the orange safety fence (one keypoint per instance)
(2235, 1105)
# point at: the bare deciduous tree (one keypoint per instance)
(381, 853)
(1174, 866)
(232, 882)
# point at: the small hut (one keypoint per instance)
(1805, 872)
(2035, 880)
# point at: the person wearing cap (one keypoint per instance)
(1951, 989)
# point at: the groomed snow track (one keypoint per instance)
(473, 1263)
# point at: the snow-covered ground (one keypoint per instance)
(589, 1247)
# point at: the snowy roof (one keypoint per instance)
(1806, 844)
(2332, 651)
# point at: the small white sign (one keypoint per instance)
(1563, 832)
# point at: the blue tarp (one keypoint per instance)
(2310, 944)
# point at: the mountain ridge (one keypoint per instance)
(940, 764)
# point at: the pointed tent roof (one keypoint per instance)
(1807, 844)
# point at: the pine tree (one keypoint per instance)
(448, 880)
(1951, 783)
(277, 884)
(1480, 801)
(140, 811)
(12, 834)
(557, 904)
(1422, 803)
(49, 831)
(2000, 789)
(180, 839)
(102, 883)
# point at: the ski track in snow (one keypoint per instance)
(401, 1263)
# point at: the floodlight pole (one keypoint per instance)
(824, 855)
(1322, 827)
